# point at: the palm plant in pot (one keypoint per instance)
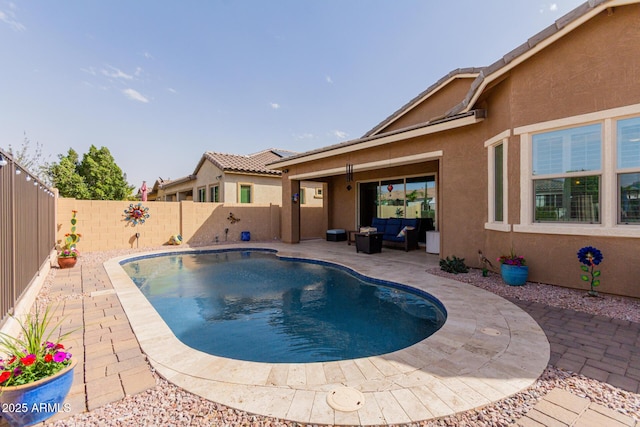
(36, 372)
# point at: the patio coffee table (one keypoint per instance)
(369, 243)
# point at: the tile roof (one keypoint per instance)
(164, 183)
(252, 163)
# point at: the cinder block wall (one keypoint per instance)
(103, 226)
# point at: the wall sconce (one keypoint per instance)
(349, 187)
(3, 161)
(295, 198)
(28, 178)
(18, 171)
(218, 178)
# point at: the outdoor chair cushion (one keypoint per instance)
(392, 230)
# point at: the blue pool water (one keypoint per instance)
(252, 305)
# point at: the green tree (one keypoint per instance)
(65, 177)
(103, 177)
(96, 177)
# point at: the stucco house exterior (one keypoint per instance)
(234, 178)
(538, 152)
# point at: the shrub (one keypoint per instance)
(454, 265)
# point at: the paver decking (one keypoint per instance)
(112, 365)
(479, 356)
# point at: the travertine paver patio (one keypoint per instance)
(488, 349)
(112, 365)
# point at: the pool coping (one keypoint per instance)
(479, 356)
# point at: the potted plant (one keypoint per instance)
(36, 372)
(513, 269)
(68, 254)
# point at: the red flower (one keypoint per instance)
(28, 360)
(58, 347)
(13, 359)
(4, 376)
(48, 358)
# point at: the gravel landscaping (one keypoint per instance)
(168, 405)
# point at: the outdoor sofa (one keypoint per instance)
(398, 232)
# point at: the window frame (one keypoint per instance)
(609, 198)
(251, 195)
(502, 139)
(214, 189)
(565, 145)
(202, 194)
(626, 170)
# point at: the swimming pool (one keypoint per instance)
(252, 305)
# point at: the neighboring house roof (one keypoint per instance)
(171, 182)
(253, 163)
(484, 76)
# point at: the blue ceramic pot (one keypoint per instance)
(28, 404)
(514, 275)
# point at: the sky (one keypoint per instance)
(161, 82)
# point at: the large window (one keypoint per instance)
(566, 174)
(202, 194)
(580, 175)
(628, 170)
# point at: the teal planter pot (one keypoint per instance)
(514, 275)
(29, 404)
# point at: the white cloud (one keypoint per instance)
(274, 105)
(135, 95)
(553, 7)
(340, 134)
(147, 55)
(328, 79)
(9, 18)
(306, 135)
(115, 73)
(89, 70)
(172, 90)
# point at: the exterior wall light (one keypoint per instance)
(3, 161)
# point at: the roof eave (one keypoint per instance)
(460, 73)
(535, 44)
(431, 127)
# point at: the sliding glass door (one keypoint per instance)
(412, 197)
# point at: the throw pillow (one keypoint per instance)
(403, 232)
